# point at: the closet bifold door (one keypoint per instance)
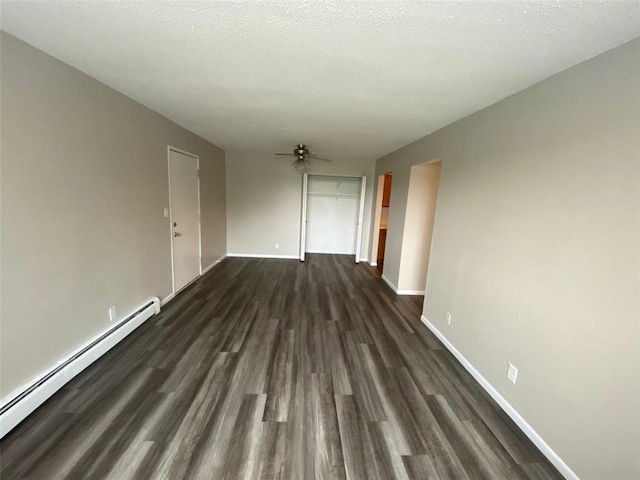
(332, 214)
(363, 188)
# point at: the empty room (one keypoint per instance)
(320, 240)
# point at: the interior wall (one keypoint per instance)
(264, 201)
(213, 205)
(536, 254)
(84, 187)
(422, 196)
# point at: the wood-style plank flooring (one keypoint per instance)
(275, 369)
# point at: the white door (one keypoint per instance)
(332, 214)
(185, 217)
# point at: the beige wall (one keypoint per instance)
(264, 201)
(535, 253)
(422, 195)
(84, 185)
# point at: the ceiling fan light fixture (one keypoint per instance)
(301, 158)
(301, 164)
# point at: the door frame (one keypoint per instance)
(363, 191)
(173, 268)
(303, 216)
(377, 216)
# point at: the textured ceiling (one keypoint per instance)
(354, 80)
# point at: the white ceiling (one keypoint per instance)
(354, 80)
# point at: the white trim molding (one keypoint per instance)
(167, 299)
(388, 282)
(171, 296)
(400, 292)
(410, 292)
(267, 255)
(546, 450)
(19, 404)
(261, 255)
(213, 264)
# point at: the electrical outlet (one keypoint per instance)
(277, 245)
(448, 318)
(512, 373)
(112, 313)
(166, 213)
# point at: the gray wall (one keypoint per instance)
(84, 185)
(264, 201)
(535, 253)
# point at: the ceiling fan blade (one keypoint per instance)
(287, 154)
(315, 157)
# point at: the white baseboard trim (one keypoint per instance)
(171, 296)
(401, 292)
(19, 404)
(374, 264)
(410, 292)
(261, 255)
(213, 264)
(546, 450)
(388, 282)
(167, 299)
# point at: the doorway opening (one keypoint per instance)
(418, 228)
(381, 220)
(184, 217)
(332, 211)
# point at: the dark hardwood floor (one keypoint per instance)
(275, 369)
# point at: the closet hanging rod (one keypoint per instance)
(334, 195)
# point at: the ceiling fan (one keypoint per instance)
(301, 158)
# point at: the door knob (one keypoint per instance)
(176, 234)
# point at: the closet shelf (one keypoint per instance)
(334, 195)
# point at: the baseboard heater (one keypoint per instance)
(20, 405)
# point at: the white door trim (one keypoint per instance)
(375, 233)
(303, 216)
(363, 189)
(197, 158)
